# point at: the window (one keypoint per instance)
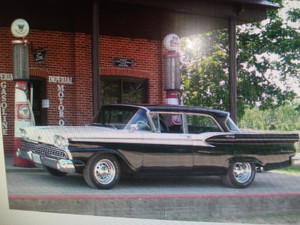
(199, 124)
(231, 125)
(168, 122)
(140, 121)
(116, 117)
(123, 90)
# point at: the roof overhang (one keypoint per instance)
(135, 18)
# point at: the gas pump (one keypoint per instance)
(23, 112)
(172, 69)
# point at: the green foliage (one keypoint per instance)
(293, 170)
(284, 118)
(268, 55)
(203, 77)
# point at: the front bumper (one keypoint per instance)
(63, 165)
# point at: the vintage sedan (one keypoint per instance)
(157, 140)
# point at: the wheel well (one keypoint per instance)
(125, 168)
(256, 161)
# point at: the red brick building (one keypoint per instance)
(130, 52)
(69, 56)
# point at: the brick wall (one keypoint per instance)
(69, 56)
(147, 62)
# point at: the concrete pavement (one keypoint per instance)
(188, 198)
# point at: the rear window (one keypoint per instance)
(116, 117)
(231, 125)
(200, 124)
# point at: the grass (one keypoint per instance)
(292, 170)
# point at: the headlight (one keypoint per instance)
(61, 142)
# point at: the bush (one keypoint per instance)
(283, 118)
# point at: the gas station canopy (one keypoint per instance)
(135, 18)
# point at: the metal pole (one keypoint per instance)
(232, 70)
(95, 56)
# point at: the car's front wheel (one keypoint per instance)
(240, 175)
(102, 171)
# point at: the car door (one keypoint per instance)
(169, 149)
(207, 158)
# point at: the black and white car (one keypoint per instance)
(164, 140)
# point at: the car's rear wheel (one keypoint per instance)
(54, 172)
(102, 171)
(240, 175)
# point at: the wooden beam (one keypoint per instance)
(95, 56)
(232, 70)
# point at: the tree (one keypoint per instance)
(203, 72)
(268, 56)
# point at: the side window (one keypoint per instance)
(170, 123)
(200, 124)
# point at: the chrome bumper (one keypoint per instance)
(63, 165)
(295, 160)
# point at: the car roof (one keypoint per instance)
(176, 108)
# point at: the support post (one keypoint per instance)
(95, 56)
(232, 70)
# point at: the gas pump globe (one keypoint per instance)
(172, 69)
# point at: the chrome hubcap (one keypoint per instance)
(105, 171)
(242, 172)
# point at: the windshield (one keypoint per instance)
(140, 120)
(231, 125)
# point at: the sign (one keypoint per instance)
(20, 28)
(119, 62)
(4, 77)
(60, 81)
(40, 55)
(172, 42)
(22, 111)
(45, 104)
(61, 107)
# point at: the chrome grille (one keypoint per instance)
(44, 150)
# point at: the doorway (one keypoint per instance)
(39, 93)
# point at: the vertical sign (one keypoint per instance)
(61, 81)
(3, 85)
(61, 107)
